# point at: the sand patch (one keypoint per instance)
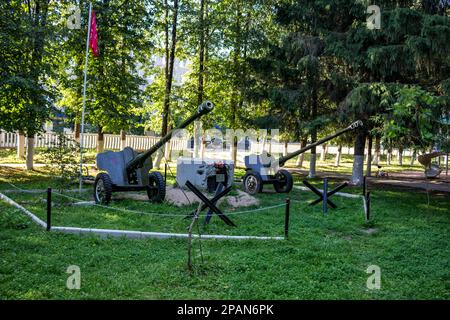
(243, 199)
(180, 197)
(369, 231)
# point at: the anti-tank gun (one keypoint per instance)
(265, 169)
(128, 170)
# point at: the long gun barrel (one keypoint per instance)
(138, 161)
(283, 160)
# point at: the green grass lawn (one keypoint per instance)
(326, 256)
(9, 155)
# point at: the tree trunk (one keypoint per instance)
(236, 70)
(376, 159)
(400, 156)
(312, 163)
(158, 157)
(170, 59)
(100, 140)
(301, 156)
(389, 156)
(163, 152)
(203, 146)
(285, 149)
(168, 151)
(369, 156)
(77, 130)
(413, 157)
(20, 145)
(123, 139)
(234, 151)
(30, 153)
(197, 137)
(324, 151)
(337, 160)
(358, 161)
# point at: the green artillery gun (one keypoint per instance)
(265, 169)
(128, 170)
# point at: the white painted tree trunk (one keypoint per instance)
(337, 160)
(377, 157)
(100, 146)
(30, 153)
(168, 151)
(158, 157)
(369, 156)
(300, 160)
(197, 136)
(358, 159)
(413, 157)
(358, 169)
(312, 166)
(20, 145)
(100, 141)
(323, 152)
(389, 157)
(203, 145)
(446, 164)
(301, 157)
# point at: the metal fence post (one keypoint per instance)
(49, 209)
(286, 218)
(325, 195)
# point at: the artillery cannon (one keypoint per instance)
(265, 169)
(128, 170)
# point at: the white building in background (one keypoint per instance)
(181, 67)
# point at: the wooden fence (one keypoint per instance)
(113, 142)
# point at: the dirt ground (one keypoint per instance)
(404, 179)
(181, 197)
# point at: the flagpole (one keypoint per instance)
(84, 97)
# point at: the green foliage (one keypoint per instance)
(413, 117)
(295, 65)
(115, 79)
(26, 94)
(64, 153)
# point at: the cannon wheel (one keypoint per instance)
(102, 188)
(156, 190)
(284, 181)
(252, 182)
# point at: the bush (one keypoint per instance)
(64, 154)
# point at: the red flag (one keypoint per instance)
(93, 37)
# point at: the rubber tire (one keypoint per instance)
(107, 185)
(156, 178)
(259, 184)
(287, 186)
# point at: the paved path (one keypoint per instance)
(404, 179)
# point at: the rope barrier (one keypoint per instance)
(152, 213)
(170, 214)
(23, 190)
